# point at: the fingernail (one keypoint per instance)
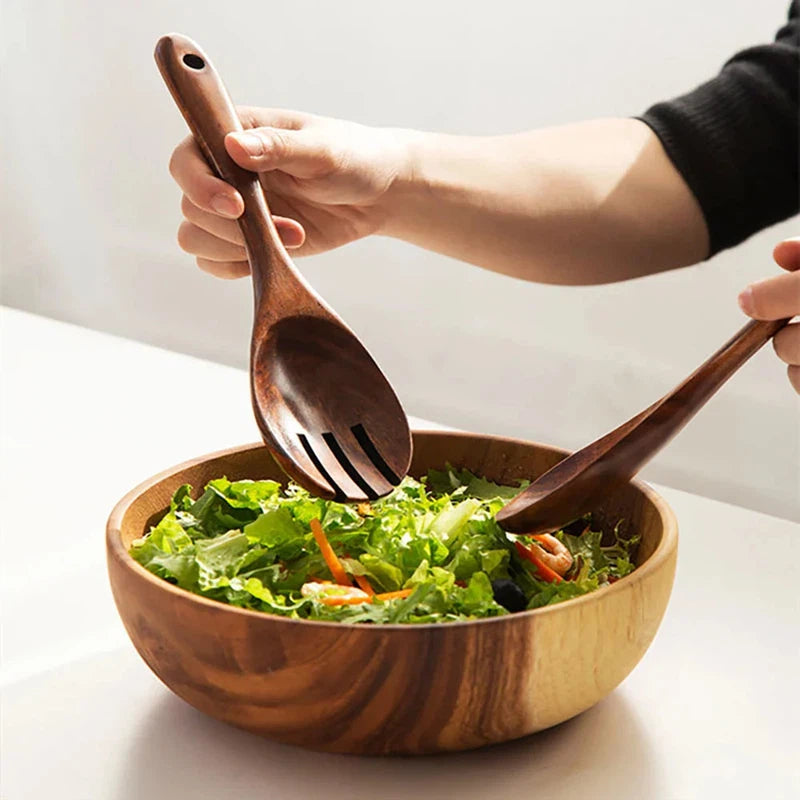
(253, 145)
(225, 205)
(746, 302)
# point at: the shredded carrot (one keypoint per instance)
(331, 559)
(547, 574)
(550, 575)
(364, 584)
(393, 595)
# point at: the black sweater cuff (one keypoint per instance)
(734, 139)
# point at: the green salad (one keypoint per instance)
(431, 551)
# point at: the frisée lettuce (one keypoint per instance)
(431, 551)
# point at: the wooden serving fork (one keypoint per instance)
(323, 406)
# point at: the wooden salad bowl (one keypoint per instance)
(394, 689)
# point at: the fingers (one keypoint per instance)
(226, 229)
(256, 117)
(224, 269)
(302, 153)
(191, 172)
(218, 243)
(787, 344)
(201, 243)
(773, 298)
(779, 298)
(787, 254)
(198, 241)
(210, 205)
(291, 232)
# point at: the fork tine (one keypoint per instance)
(360, 462)
(318, 465)
(367, 445)
(329, 465)
(348, 467)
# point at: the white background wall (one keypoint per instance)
(89, 214)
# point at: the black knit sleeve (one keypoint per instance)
(735, 139)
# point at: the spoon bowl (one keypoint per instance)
(321, 400)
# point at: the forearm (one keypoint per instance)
(592, 202)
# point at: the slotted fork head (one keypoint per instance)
(325, 409)
(323, 406)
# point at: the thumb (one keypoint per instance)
(299, 152)
(787, 254)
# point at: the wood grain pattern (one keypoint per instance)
(579, 482)
(314, 387)
(393, 689)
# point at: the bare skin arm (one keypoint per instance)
(591, 202)
(587, 203)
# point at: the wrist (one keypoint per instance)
(410, 149)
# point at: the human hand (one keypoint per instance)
(323, 178)
(778, 298)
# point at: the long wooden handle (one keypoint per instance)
(206, 106)
(688, 397)
(581, 481)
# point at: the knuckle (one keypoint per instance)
(276, 144)
(332, 161)
(248, 116)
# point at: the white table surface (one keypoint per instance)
(711, 711)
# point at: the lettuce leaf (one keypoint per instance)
(452, 480)
(248, 543)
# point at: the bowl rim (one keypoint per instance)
(665, 549)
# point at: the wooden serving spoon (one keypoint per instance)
(324, 408)
(581, 481)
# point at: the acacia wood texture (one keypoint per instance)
(578, 483)
(375, 689)
(309, 374)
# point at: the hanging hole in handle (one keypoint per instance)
(193, 61)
